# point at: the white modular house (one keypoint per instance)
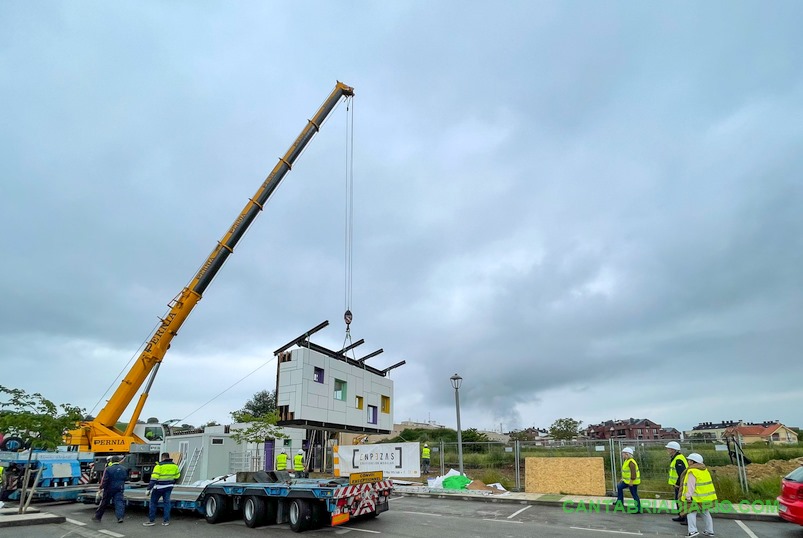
(211, 451)
(328, 391)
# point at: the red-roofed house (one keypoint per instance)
(773, 432)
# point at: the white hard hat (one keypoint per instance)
(300, 451)
(674, 445)
(426, 445)
(627, 449)
(695, 457)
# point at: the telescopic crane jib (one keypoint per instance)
(100, 434)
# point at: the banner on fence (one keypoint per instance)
(393, 459)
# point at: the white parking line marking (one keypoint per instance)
(503, 521)
(605, 530)
(750, 533)
(418, 513)
(110, 533)
(74, 522)
(361, 530)
(514, 514)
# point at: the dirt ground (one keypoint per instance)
(759, 471)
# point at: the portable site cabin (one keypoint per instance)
(213, 452)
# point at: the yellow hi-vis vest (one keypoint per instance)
(298, 462)
(673, 473)
(165, 471)
(703, 487)
(626, 473)
(425, 453)
(281, 462)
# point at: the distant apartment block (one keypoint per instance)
(770, 431)
(632, 428)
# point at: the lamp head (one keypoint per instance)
(456, 381)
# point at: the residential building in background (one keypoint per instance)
(769, 431)
(632, 428)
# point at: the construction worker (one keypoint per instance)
(281, 461)
(677, 466)
(113, 488)
(425, 458)
(631, 478)
(298, 463)
(698, 490)
(2, 484)
(10, 481)
(164, 476)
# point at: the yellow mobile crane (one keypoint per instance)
(100, 434)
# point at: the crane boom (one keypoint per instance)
(100, 434)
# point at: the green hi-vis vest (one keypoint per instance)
(298, 462)
(425, 453)
(165, 471)
(281, 462)
(673, 473)
(703, 488)
(626, 473)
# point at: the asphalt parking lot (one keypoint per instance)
(412, 517)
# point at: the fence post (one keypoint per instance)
(443, 456)
(517, 459)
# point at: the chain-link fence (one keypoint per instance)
(493, 462)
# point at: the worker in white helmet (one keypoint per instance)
(631, 478)
(425, 459)
(298, 463)
(677, 466)
(699, 495)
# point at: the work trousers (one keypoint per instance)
(620, 494)
(164, 494)
(708, 522)
(109, 497)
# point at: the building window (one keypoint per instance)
(340, 390)
(386, 404)
(217, 440)
(358, 402)
(372, 414)
(318, 375)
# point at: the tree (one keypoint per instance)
(261, 404)
(36, 419)
(258, 429)
(565, 429)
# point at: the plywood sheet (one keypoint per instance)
(568, 476)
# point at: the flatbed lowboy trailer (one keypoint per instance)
(304, 503)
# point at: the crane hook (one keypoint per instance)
(347, 317)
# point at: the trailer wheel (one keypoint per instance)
(254, 511)
(300, 515)
(216, 508)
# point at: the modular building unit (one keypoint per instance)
(318, 391)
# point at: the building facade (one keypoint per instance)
(632, 428)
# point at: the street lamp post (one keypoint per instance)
(456, 382)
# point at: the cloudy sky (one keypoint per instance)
(586, 209)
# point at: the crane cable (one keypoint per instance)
(349, 220)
